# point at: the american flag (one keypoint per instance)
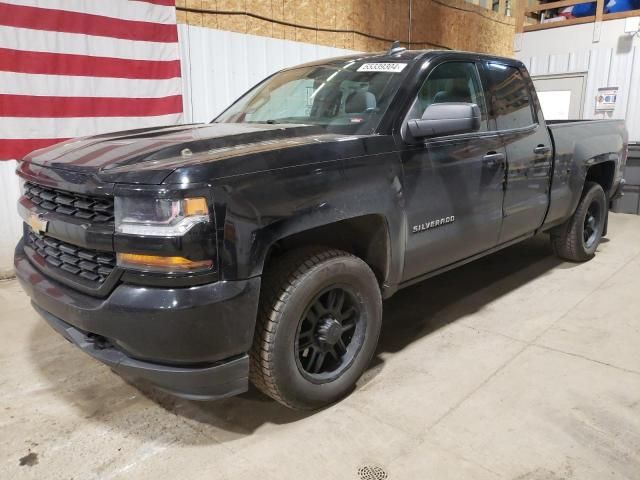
(71, 68)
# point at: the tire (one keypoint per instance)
(578, 239)
(296, 321)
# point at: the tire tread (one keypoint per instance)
(567, 242)
(279, 281)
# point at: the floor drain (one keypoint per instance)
(372, 472)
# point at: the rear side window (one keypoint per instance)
(510, 99)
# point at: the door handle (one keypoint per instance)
(493, 159)
(541, 150)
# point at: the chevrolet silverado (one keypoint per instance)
(259, 247)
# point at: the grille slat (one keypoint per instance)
(53, 261)
(105, 271)
(85, 207)
(68, 249)
(90, 276)
(90, 265)
(66, 210)
(86, 255)
(52, 252)
(71, 269)
(70, 259)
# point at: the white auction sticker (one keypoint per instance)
(382, 67)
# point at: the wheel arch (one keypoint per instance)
(366, 236)
(599, 169)
(603, 173)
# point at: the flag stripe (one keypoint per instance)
(62, 107)
(70, 86)
(88, 24)
(64, 64)
(18, 148)
(25, 127)
(78, 68)
(123, 9)
(79, 44)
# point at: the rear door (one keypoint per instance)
(528, 146)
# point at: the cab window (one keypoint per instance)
(510, 98)
(451, 82)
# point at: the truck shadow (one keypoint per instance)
(409, 315)
(429, 305)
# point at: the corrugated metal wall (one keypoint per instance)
(614, 61)
(9, 222)
(217, 67)
(605, 67)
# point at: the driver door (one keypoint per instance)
(458, 178)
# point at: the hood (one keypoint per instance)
(149, 156)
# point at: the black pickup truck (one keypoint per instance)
(259, 247)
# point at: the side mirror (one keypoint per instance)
(446, 119)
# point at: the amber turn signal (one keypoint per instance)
(195, 206)
(156, 263)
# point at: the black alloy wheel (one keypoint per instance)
(579, 237)
(591, 226)
(330, 334)
(318, 326)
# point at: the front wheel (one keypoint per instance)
(578, 239)
(318, 326)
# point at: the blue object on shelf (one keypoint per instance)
(584, 9)
(615, 6)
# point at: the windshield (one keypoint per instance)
(348, 97)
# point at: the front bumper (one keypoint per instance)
(189, 341)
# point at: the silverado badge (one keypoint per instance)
(37, 223)
(433, 223)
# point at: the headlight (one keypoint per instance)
(159, 217)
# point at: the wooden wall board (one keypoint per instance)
(454, 24)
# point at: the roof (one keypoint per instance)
(410, 56)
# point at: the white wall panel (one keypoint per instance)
(217, 67)
(222, 65)
(633, 103)
(579, 61)
(558, 63)
(10, 225)
(620, 71)
(614, 61)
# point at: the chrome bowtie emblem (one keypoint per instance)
(37, 223)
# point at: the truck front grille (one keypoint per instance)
(90, 265)
(94, 209)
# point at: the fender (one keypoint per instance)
(255, 212)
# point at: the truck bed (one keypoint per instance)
(575, 144)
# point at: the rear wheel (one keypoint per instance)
(318, 326)
(578, 239)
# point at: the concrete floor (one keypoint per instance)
(517, 366)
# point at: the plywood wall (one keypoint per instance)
(367, 25)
